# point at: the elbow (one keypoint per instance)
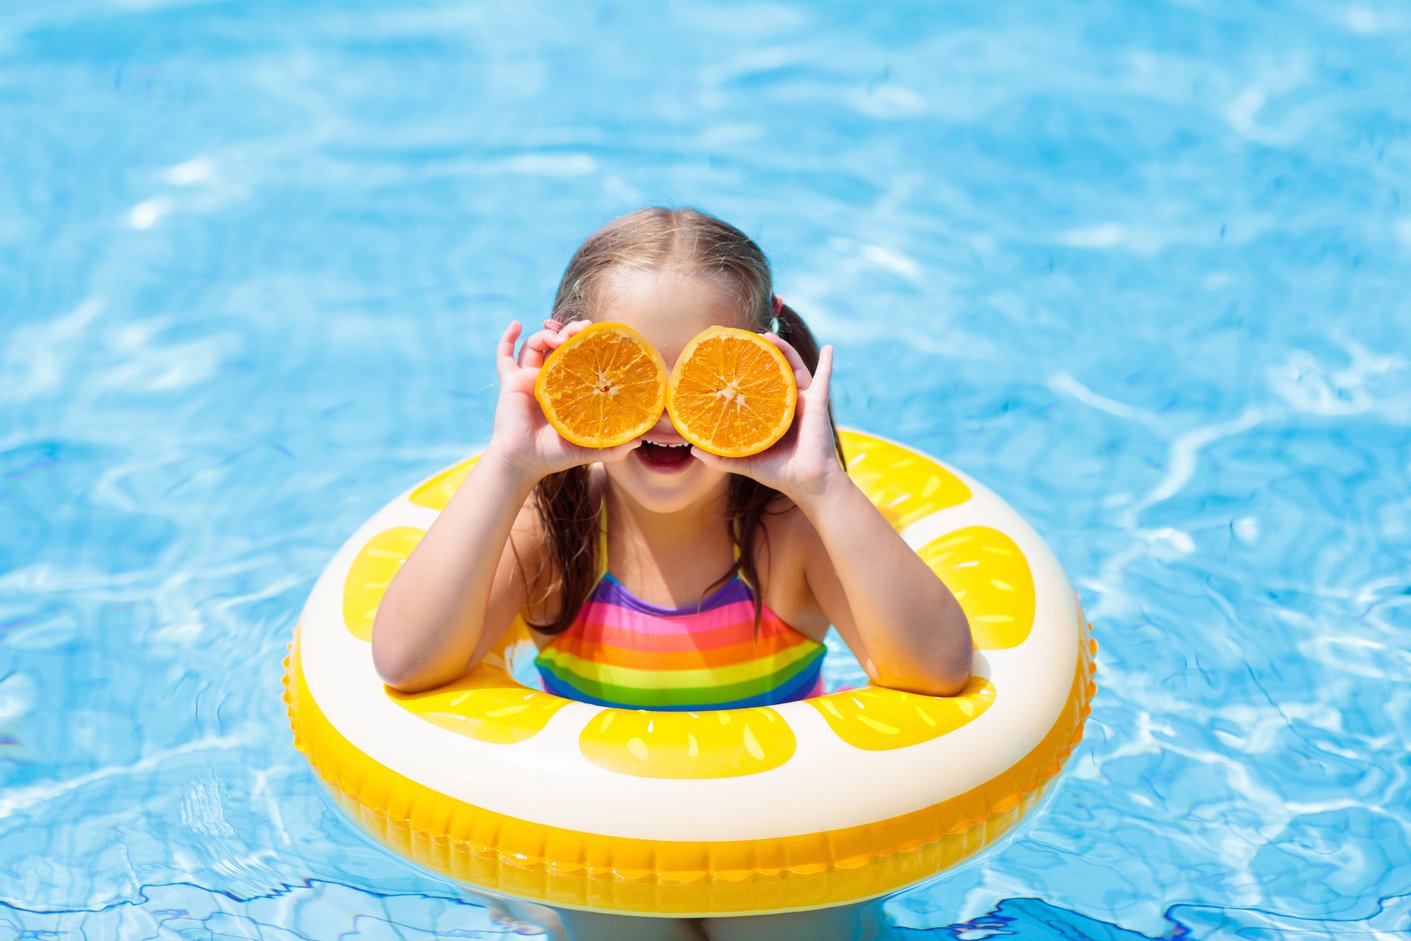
(395, 655)
(393, 665)
(403, 667)
(961, 661)
(952, 684)
(944, 679)
(955, 664)
(946, 670)
(388, 665)
(404, 678)
(936, 684)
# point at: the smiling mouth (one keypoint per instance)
(665, 454)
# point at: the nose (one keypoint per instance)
(665, 430)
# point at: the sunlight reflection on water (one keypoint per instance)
(1139, 269)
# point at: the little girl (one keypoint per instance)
(600, 549)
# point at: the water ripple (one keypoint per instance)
(1141, 268)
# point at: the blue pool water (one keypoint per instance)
(1145, 269)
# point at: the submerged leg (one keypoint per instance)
(518, 915)
(594, 926)
(862, 921)
(565, 924)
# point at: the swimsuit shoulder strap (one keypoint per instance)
(740, 572)
(603, 538)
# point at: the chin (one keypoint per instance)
(665, 490)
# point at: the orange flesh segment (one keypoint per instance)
(603, 386)
(732, 392)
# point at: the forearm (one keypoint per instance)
(433, 613)
(912, 627)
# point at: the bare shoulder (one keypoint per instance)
(528, 558)
(519, 578)
(787, 555)
(528, 540)
(790, 532)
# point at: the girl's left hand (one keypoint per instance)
(803, 462)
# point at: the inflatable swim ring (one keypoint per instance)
(802, 805)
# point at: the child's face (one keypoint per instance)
(669, 309)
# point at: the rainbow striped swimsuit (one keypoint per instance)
(622, 651)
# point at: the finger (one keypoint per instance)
(537, 347)
(574, 328)
(504, 352)
(715, 461)
(822, 378)
(705, 457)
(553, 325)
(618, 453)
(802, 377)
(579, 455)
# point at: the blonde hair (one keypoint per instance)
(685, 241)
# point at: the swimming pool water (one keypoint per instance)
(1142, 268)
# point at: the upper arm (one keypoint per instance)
(518, 582)
(827, 591)
(815, 593)
(901, 622)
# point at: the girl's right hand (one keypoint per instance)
(523, 437)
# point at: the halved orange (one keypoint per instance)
(732, 392)
(603, 386)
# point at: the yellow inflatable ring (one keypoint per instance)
(803, 805)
